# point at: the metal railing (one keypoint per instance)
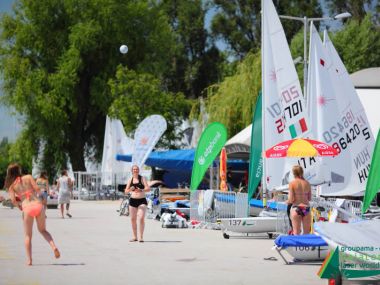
(207, 206)
(88, 185)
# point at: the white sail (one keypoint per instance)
(115, 142)
(283, 103)
(337, 118)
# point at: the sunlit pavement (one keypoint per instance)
(95, 249)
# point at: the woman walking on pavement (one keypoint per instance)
(137, 186)
(65, 188)
(43, 184)
(23, 192)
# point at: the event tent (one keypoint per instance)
(179, 160)
(239, 146)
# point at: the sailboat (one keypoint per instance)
(284, 114)
(337, 117)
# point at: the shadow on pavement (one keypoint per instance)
(163, 241)
(61, 264)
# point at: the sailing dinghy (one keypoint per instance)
(282, 102)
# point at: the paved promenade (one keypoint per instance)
(95, 250)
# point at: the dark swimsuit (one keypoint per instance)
(301, 210)
(133, 202)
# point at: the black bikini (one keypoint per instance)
(133, 202)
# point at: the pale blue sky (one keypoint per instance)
(6, 5)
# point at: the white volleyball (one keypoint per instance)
(123, 49)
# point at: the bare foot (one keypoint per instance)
(57, 254)
(133, 240)
(29, 263)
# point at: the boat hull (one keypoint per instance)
(250, 225)
(308, 253)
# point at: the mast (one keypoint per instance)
(263, 179)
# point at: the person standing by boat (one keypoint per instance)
(26, 190)
(43, 184)
(64, 188)
(299, 197)
(137, 186)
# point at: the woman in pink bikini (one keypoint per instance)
(23, 192)
(299, 197)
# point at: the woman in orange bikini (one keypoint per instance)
(299, 197)
(23, 192)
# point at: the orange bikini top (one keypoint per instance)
(25, 193)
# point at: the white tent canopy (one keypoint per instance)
(238, 146)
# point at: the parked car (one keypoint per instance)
(52, 200)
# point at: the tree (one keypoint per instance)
(358, 44)
(4, 160)
(57, 57)
(140, 95)
(232, 101)
(238, 23)
(197, 63)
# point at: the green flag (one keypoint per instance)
(373, 182)
(255, 158)
(210, 143)
(330, 266)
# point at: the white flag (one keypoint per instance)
(115, 142)
(147, 135)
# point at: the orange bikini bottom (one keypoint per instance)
(32, 209)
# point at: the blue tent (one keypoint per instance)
(179, 160)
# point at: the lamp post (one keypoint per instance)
(305, 20)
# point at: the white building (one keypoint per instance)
(367, 85)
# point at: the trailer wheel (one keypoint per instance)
(270, 235)
(226, 236)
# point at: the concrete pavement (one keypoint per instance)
(95, 250)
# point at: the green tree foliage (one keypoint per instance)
(57, 57)
(296, 49)
(232, 101)
(197, 63)
(140, 95)
(20, 152)
(238, 23)
(358, 44)
(4, 160)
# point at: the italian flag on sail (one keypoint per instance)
(298, 128)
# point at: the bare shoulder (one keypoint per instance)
(292, 184)
(305, 182)
(28, 177)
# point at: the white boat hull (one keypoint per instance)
(250, 225)
(308, 253)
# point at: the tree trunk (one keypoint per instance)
(76, 155)
(76, 145)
